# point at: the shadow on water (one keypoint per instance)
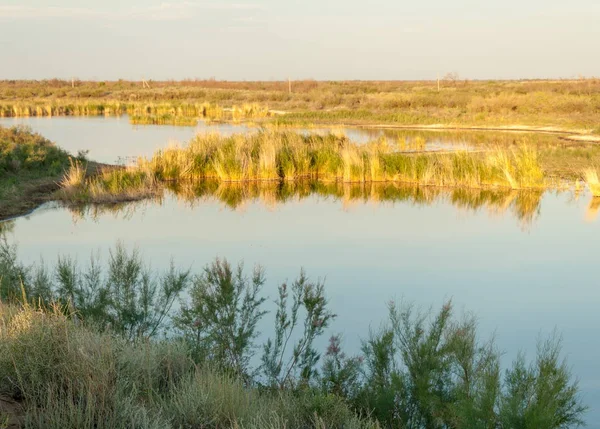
(522, 205)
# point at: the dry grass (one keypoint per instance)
(275, 155)
(67, 375)
(111, 184)
(289, 156)
(572, 104)
(74, 177)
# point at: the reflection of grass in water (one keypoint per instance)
(7, 227)
(122, 210)
(593, 209)
(593, 181)
(524, 205)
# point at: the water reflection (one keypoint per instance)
(115, 140)
(522, 205)
(593, 209)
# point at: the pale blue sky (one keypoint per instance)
(321, 39)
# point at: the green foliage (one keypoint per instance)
(90, 358)
(220, 320)
(541, 394)
(340, 375)
(432, 372)
(12, 272)
(280, 369)
(22, 151)
(128, 299)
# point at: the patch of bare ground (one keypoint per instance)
(11, 413)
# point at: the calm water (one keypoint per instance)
(522, 276)
(114, 140)
(524, 263)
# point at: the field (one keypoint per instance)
(570, 105)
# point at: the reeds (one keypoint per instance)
(74, 177)
(249, 111)
(289, 156)
(166, 119)
(113, 184)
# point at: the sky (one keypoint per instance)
(301, 39)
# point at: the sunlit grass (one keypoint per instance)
(289, 156)
(567, 104)
(112, 184)
(74, 177)
(163, 120)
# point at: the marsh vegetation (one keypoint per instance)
(82, 347)
(30, 167)
(569, 104)
(289, 156)
(121, 345)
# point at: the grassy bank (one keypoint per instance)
(30, 169)
(570, 104)
(83, 347)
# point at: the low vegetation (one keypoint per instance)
(30, 167)
(163, 120)
(84, 348)
(567, 104)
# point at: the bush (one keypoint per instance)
(420, 370)
(128, 298)
(21, 150)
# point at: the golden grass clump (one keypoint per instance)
(112, 184)
(74, 177)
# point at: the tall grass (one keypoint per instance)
(74, 177)
(289, 156)
(111, 184)
(276, 155)
(163, 120)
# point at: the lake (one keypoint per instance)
(114, 140)
(523, 263)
